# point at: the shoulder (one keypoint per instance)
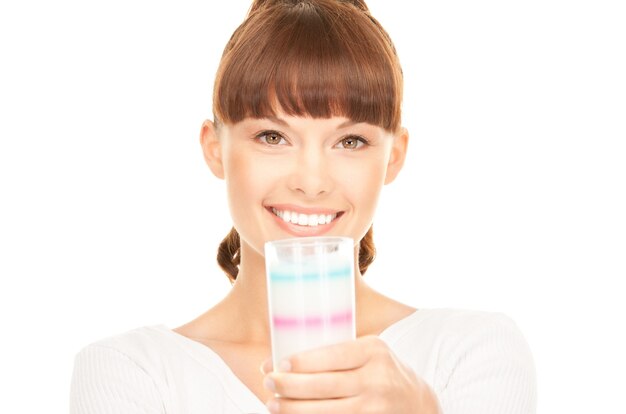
(452, 324)
(137, 339)
(475, 358)
(463, 323)
(140, 349)
(153, 370)
(457, 333)
(141, 345)
(468, 334)
(119, 372)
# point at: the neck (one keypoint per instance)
(247, 300)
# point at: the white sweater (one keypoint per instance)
(476, 362)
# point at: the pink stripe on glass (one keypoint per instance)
(341, 318)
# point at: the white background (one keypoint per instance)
(513, 198)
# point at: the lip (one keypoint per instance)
(303, 231)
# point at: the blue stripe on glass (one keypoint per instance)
(290, 277)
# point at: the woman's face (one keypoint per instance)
(297, 176)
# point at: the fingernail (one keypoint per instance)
(284, 365)
(269, 384)
(273, 406)
(266, 366)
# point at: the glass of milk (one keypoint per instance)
(310, 284)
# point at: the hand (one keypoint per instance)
(361, 376)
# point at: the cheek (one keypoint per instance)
(362, 184)
(249, 179)
(371, 187)
(241, 179)
(248, 170)
(244, 186)
(362, 192)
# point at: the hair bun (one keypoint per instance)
(261, 4)
(359, 4)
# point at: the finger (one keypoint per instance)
(326, 385)
(287, 406)
(344, 356)
(267, 366)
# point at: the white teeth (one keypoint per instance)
(303, 219)
(300, 219)
(311, 220)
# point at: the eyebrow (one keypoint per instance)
(282, 122)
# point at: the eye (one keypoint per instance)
(271, 138)
(352, 142)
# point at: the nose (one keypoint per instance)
(311, 175)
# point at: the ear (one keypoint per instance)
(212, 148)
(398, 155)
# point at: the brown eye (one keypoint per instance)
(271, 138)
(352, 142)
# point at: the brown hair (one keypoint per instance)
(317, 58)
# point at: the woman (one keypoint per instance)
(306, 131)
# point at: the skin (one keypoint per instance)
(307, 165)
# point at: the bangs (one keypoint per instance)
(308, 59)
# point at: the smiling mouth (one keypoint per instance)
(309, 220)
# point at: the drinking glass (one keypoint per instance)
(310, 284)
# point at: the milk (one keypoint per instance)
(310, 293)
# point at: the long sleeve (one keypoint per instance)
(106, 381)
(488, 370)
